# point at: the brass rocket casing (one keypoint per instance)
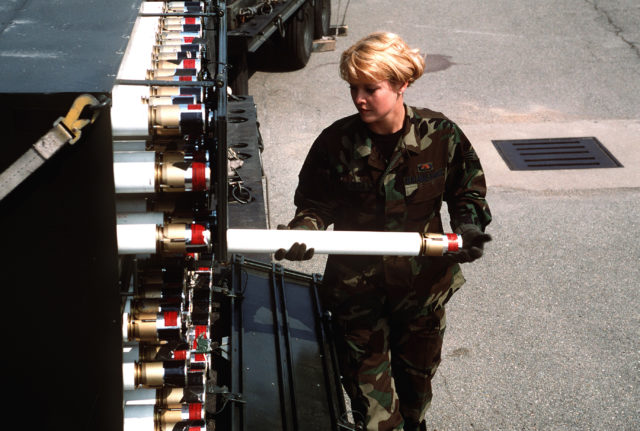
(143, 330)
(151, 374)
(433, 244)
(170, 397)
(147, 306)
(172, 176)
(149, 352)
(161, 74)
(165, 115)
(165, 91)
(172, 20)
(173, 240)
(166, 420)
(151, 290)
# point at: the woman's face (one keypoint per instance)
(380, 104)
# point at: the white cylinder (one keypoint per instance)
(127, 303)
(156, 218)
(137, 57)
(140, 397)
(325, 242)
(134, 171)
(130, 204)
(129, 145)
(128, 376)
(139, 418)
(136, 238)
(125, 327)
(130, 351)
(129, 114)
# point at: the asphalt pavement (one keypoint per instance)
(545, 335)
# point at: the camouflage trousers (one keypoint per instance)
(389, 344)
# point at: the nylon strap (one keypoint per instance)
(35, 156)
(65, 130)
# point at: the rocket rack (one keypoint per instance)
(209, 343)
(130, 313)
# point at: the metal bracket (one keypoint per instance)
(157, 83)
(224, 290)
(225, 393)
(184, 14)
(280, 25)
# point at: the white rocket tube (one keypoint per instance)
(129, 116)
(137, 238)
(325, 242)
(139, 418)
(140, 397)
(142, 237)
(123, 146)
(134, 171)
(343, 242)
(130, 204)
(143, 218)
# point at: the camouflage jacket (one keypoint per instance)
(345, 182)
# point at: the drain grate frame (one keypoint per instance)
(555, 153)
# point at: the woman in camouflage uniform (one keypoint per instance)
(389, 168)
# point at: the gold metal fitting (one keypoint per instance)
(166, 420)
(173, 238)
(149, 374)
(165, 91)
(170, 397)
(143, 327)
(172, 174)
(433, 244)
(148, 307)
(165, 119)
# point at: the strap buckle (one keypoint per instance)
(72, 123)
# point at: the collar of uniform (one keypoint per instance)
(362, 142)
(410, 138)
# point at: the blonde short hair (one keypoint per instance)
(381, 56)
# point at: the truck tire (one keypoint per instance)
(297, 44)
(321, 18)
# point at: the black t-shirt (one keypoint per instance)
(385, 144)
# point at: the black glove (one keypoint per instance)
(298, 251)
(472, 247)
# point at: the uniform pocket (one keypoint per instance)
(422, 198)
(424, 191)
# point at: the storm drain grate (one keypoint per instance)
(557, 153)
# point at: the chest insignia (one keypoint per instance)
(423, 177)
